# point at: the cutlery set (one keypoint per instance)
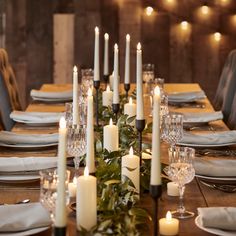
(228, 188)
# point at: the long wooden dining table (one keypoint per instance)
(196, 194)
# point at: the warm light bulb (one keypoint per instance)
(108, 88)
(90, 93)
(184, 25)
(205, 10)
(96, 30)
(157, 91)
(75, 69)
(86, 171)
(130, 100)
(106, 36)
(217, 36)
(110, 122)
(127, 37)
(131, 151)
(168, 215)
(169, 1)
(62, 123)
(149, 10)
(139, 46)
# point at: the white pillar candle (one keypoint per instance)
(72, 187)
(156, 160)
(90, 161)
(111, 81)
(139, 84)
(86, 201)
(168, 226)
(127, 60)
(106, 55)
(130, 169)
(75, 97)
(116, 98)
(172, 189)
(96, 55)
(130, 110)
(110, 137)
(107, 97)
(60, 211)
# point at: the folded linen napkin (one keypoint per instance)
(202, 117)
(214, 139)
(7, 137)
(186, 96)
(65, 95)
(218, 217)
(216, 167)
(21, 217)
(9, 164)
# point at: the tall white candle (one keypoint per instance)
(75, 97)
(90, 161)
(116, 98)
(96, 56)
(140, 113)
(110, 137)
(127, 60)
(86, 201)
(107, 97)
(130, 110)
(106, 54)
(60, 211)
(111, 80)
(156, 160)
(130, 169)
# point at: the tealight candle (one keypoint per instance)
(130, 110)
(86, 201)
(107, 97)
(72, 187)
(130, 169)
(111, 137)
(168, 226)
(172, 189)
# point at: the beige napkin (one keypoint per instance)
(186, 96)
(36, 117)
(211, 139)
(54, 96)
(8, 164)
(215, 167)
(23, 217)
(203, 117)
(218, 217)
(17, 138)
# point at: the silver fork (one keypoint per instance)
(228, 188)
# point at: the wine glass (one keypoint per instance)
(86, 81)
(148, 76)
(172, 128)
(48, 190)
(181, 171)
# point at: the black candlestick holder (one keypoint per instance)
(96, 85)
(115, 109)
(59, 231)
(140, 125)
(155, 192)
(106, 78)
(127, 88)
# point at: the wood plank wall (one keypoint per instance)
(190, 55)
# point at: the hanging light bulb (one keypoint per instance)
(205, 9)
(217, 36)
(149, 10)
(184, 25)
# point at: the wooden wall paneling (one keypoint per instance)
(130, 23)
(39, 42)
(63, 47)
(87, 17)
(15, 42)
(2, 23)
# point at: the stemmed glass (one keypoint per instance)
(172, 128)
(181, 171)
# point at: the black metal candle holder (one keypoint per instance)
(127, 88)
(96, 85)
(155, 192)
(106, 78)
(115, 109)
(140, 125)
(59, 231)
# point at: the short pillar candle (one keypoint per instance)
(107, 97)
(168, 226)
(130, 110)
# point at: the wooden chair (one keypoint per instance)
(227, 86)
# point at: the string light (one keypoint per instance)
(184, 25)
(217, 36)
(149, 10)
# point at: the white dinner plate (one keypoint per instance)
(33, 123)
(219, 232)
(206, 145)
(28, 146)
(26, 232)
(52, 99)
(18, 178)
(216, 178)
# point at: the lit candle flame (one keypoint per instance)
(62, 123)
(110, 122)
(86, 171)
(168, 215)
(108, 88)
(96, 30)
(157, 91)
(127, 37)
(75, 69)
(115, 47)
(139, 46)
(90, 93)
(131, 151)
(130, 100)
(106, 36)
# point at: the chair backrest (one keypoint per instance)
(232, 117)
(227, 86)
(5, 106)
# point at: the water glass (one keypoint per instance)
(148, 72)
(181, 171)
(86, 81)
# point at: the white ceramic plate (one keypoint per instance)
(52, 99)
(18, 178)
(216, 178)
(32, 123)
(28, 146)
(219, 232)
(25, 233)
(206, 145)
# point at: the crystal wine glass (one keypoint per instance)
(181, 171)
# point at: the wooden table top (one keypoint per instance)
(196, 195)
